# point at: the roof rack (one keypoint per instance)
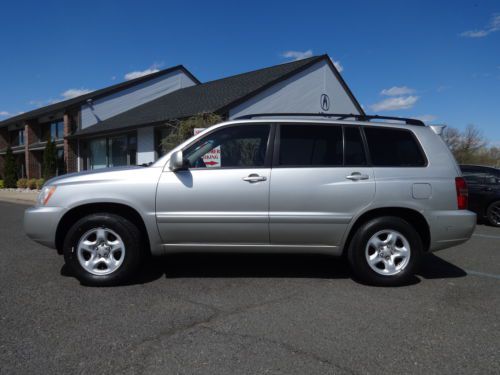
(338, 116)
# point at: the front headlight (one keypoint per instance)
(45, 194)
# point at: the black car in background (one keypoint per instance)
(484, 192)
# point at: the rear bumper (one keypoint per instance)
(450, 228)
(40, 224)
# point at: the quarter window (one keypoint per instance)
(393, 148)
(232, 147)
(310, 145)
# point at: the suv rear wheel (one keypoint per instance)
(385, 251)
(103, 249)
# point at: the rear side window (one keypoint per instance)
(393, 148)
(310, 145)
(354, 153)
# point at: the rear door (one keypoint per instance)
(317, 184)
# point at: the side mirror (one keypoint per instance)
(177, 162)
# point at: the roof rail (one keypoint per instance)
(338, 116)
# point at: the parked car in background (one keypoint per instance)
(484, 192)
(383, 194)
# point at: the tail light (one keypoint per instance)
(462, 193)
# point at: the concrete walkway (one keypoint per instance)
(18, 196)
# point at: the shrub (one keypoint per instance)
(49, 160)
(39, 183)
(32, 183)
(22, 183)
(1, 184)
(10, 174)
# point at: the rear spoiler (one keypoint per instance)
(438, 129)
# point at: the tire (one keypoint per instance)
(103, 249)
(493, 214)
(390, 265)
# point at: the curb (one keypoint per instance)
(18, 201)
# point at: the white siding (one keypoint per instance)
(124, 100)
(300, 93)
(145, 145)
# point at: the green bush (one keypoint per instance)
(32, 183)
(39, 183)
(10, 174)
(22, 183)
(1, 184)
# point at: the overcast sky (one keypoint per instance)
(439, 61)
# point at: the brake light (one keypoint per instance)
(462, 193)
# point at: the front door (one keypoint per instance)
(318, 185)
(222, 198)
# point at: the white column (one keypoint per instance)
(145, 145)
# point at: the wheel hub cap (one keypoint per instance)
(100, 251)
(388, 252)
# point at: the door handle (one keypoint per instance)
(254, 178)
(356, 176)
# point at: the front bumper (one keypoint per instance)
(450, 228)
(40, 224)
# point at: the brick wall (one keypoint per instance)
(4, 138)
(70, 145)
(33, 161)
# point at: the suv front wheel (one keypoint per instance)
(385, 251)
(103, 249)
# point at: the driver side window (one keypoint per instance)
(242, 146)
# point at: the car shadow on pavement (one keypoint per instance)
(220, 265)
(434, 267)
(312, 266)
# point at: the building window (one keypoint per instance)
(21, 137)
(57, 130)
(161, 134)
(17, 138)
(54, 130)
(98, 157)
(113, 151)
(132, 149)
(60, 162)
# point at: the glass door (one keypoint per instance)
(118, 151)
(98, 157)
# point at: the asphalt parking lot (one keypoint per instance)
(248, 314)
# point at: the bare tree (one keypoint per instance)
(470, 146)
(453, 138)
(472, 139)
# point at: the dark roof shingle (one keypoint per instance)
(213, 96)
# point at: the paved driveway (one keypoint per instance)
(253, 314)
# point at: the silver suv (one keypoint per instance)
(383, 194)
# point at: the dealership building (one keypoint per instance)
(124, 124)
